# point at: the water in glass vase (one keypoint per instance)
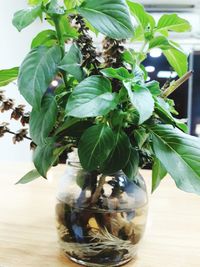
(101, 223)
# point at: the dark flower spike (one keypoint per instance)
(18, 112)
(7, 105)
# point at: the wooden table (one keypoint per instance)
(28, 235)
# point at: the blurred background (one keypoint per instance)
(14, 46)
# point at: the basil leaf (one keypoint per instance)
(25, 17)
(9, 75)
(131, 169)
(110, 17)
(179, 153)
(71, 63)
(29, 177)
(172, 22)
(95, 146)
(91, 98)
(42, 121)
(158, 173)
(36, 72)
(46, 38)
(120, 73)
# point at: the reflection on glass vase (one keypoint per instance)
(100, 219)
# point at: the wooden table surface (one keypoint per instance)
(28, 235)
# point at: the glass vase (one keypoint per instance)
(100, 219)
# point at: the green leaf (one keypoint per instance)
(158, 173)
(25, 17)
(172, 22)
(42, 121)
(70, 4)
(110, 17)
(154, 88)
(120, 73)
(9, 75)
(179, 153)
(140, 136)
(119, 156)
(144, 19)
(71, 63)
(46, 38)
(178, 60)
(54, 8)
(29, 177)
(66, 124)
(91, 98)
(131, 169)
(43, 158)
(142, 100)
(67, 30)
(95, 146)
(161, 42)
(36, 72)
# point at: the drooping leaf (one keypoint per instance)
(42, 121)
(119, 156)
(158, 173)
(131, 169)
(161, 42)
(120, 73)
(71, 63)
(25, 17)
(172, 22)
(179, 153)
(95, 146)
(91, 98)
(45, 38)
(110, 17)
(36, 72)
(43, 158)
(154, 88)
(9, 75)
(178, 60)
(142, 100)
(29, 177)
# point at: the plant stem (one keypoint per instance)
(176, 84)
(26, 137)
(97, 192)
(61, 42)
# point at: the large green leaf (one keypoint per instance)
(172, 22)
(110, 17)
(71, 63)
(29, 177)
(180, 155)
(120, 73)
(54, 8)
(158, 173)
(9, 75)
(46, 38)
(91, 98)
(161, 42)
(95, 146)
(42, 121)
(25, 17)
(36, 72)
(131, 168)
(119, 156)
(178, 60)
(140, 136)
(142, 100)
(43, 158)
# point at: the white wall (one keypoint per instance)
(13, 48)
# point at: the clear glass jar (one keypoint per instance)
(100, 219)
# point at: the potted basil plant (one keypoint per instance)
(96, 105)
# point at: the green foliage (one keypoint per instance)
(9, 75)
(110, 17)
(158, 173)
(95, 146)
(71, 63)
(179, 154)
(104, 107)
(92, 97)
(45, 38)
(36, 72)
(29, 177)
(24, 18)
(42, 121)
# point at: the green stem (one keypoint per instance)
(61, 42)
